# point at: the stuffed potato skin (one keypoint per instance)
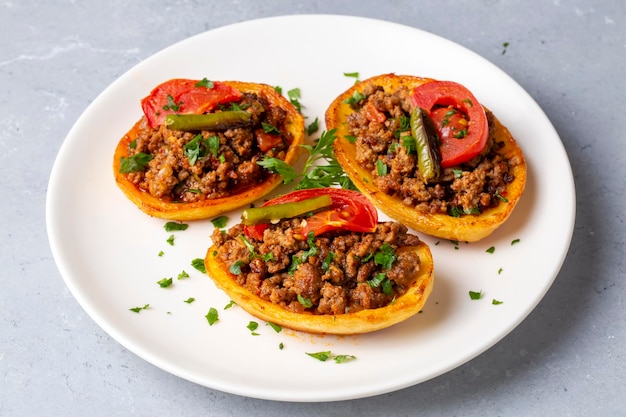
(174, 210)
(470, 227)
(363, 321)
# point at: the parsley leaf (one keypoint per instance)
(212, 316)
(220, 221)
(198, 263)
(355, 99)
(165, 282)
(175, 226)
(235, 268)
(306, 303)
(171, 104)
(475, 295)
(274, 326)
(138, 309)
(204, 83)
(137, 162)
(386, 256)
(320, 356)
(294, 98)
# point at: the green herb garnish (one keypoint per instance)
(198, 263)
(475, 295)
(171, 104)
(220, 221)
(165, 282)
(274, 326)
(135, 163)
(235, 268)
(212, 317)
(138, 309)
(205, 83)
(175, 226)
(491, 250)
(306, 303)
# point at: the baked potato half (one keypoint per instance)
(174, 169)
(467, 201)
(334, 281)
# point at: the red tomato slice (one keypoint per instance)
(350, 210)
(463, 135)
(184, 96)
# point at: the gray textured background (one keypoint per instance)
(565, 359)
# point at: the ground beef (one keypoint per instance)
(467, 189)
(335, 273)
(218, 171)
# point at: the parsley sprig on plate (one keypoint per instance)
(321, 168)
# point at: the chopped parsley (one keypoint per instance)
(355, 99)
(183, 275)
(475, 295)
(409, 144)
(268, 128)
(190, 300)
(230, 304)
(138, 309)
(171, 104)
(381, 168)
(165, 282)
(220, 221)
(275, 326)
(515, 241)
(175, 226)
(135, 163)
(386, 256)
(326, 355)
(170, 240)
(205, 83)
(198, 263)
(294, 98)
(252, 326)
(212, 317)
(496, 302)
(235, 268)
(491, 249)
(306, 302)
(354, 75)
(313, 127)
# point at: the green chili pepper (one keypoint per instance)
(428, 155)
(266, 214)
(212, 121)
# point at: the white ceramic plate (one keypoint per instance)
(108, 251)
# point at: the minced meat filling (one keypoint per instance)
(334, 273)
(467, 189)
(218, 163)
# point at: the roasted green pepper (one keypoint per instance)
(267, 214)
(211, 121)
(428, 155)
